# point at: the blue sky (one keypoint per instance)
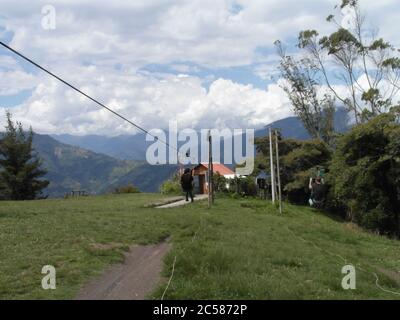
(204, 63)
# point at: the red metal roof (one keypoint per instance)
(219, 168)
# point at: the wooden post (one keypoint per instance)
(209, 169)
(271, 159)
(212, 181)
(179, 164)
(212, 173)
(278, 172)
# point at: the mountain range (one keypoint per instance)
(134, 147)
(71, 168)
(99, 164)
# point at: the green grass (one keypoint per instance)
(241, 249)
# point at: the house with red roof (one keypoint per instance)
(201, 175)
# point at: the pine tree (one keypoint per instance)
(20, 168)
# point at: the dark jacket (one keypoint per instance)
(187, 181)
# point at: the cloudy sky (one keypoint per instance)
(205, 63)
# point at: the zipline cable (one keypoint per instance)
(86, 95)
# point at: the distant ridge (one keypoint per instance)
(74, 168)
(127, 147)
(293, 128)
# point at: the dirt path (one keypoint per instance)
(138, 275)
(132, 280)
(183, 202)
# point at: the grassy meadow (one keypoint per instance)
(241, 249)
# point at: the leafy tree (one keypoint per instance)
(317, 114)
(21, 170)
(367, 65)
(365, 172)
(298, 162)
(301, 163)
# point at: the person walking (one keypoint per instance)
(187, 184)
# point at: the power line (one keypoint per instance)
(86, 95)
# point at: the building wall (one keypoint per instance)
(201, 178)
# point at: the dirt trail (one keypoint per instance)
(182, 202)
(132, 280)
(395, 276)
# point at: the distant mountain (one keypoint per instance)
(73, 168)
(99, 164)
(123, 147)
(293, 128)
(134, 147)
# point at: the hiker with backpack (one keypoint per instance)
(187, 184)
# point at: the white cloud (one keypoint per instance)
(150, 102)
(91, 40)
(13, 82)
(134, 33)
(8, 63)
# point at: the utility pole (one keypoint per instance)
(271, 159)
(180, 166)
(278, 172)
(212, 181)
(210, 186)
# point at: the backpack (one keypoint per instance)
(186, 181)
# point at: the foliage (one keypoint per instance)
(299, 161)
(351, 53)
(127, 189)
(243, 187)
(302, 89)
(247, 187)
(220, 183)
(299, 165)
(365, 173)
(172, 186)
(21, 170)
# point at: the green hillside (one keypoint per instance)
(73, 168)
(241, 249)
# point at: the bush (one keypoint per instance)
(248, 187)
(244, 187)
(220, 183)
(172, 186)
(365, 173)
(127, 189)
(299, 164)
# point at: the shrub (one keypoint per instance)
(127, 189)
(365, 172)
(171, 186)
(248, 187)
(244, 186)
(299, 164)
(220, 183)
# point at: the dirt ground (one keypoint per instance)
(131, 280)
(183, 202)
